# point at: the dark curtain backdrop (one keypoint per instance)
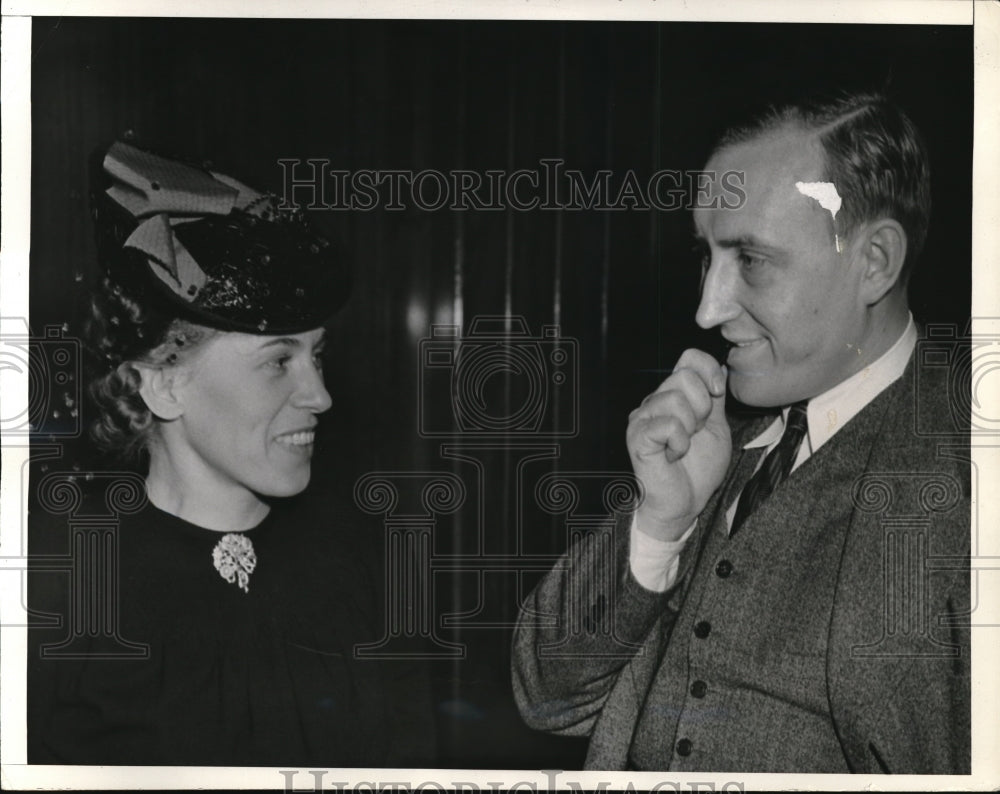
(621, 285)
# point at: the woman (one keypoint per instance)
(238, 611)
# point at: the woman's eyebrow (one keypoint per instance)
(283, 340)
(292, 342)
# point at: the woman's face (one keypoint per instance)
(248, 413)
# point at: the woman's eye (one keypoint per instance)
(318, 360)
(281, 362)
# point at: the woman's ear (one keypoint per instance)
(159, 390)
(884, 252)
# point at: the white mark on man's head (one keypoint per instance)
(829, 199)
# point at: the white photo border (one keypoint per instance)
(16, 52)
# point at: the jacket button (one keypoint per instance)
(698, 689)
(684, 747)
(702, 629)
(723, 569)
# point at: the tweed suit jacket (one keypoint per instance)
(898, 683)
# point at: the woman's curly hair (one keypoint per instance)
(121, 331)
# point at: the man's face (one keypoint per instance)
(773, 280)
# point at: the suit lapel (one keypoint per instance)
(859, 606)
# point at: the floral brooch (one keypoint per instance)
(235, 559)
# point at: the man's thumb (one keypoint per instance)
(718, 413)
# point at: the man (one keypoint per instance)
(772, 605)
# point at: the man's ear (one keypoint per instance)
(883, 251)
(159, 390)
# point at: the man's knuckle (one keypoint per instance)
(682, 379)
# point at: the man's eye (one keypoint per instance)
(749, 261)
(702, 256)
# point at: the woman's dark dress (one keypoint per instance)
(266, 677)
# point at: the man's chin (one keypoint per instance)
(755, 391)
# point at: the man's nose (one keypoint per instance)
(718, 303)
(311, 392)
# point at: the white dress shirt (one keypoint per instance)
(654, 562)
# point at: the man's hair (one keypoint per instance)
(874, 155)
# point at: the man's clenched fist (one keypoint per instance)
(679, 443)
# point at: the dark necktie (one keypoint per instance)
(776, 467)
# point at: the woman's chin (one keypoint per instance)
(286, 486)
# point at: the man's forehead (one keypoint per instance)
(774, 169)
(785, 148)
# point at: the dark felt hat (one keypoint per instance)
(211, 249)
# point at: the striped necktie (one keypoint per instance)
(776, 467)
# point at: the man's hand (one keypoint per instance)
(680, 444)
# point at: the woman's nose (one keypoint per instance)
(312, 393)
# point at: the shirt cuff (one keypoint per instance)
(654, 562)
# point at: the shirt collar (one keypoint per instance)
(834, 408)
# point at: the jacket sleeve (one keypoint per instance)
(578, 629)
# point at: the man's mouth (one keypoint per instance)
(742, 343)
(737, 349)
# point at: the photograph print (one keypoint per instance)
(414, 394)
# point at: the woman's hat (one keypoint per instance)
(212, 249)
